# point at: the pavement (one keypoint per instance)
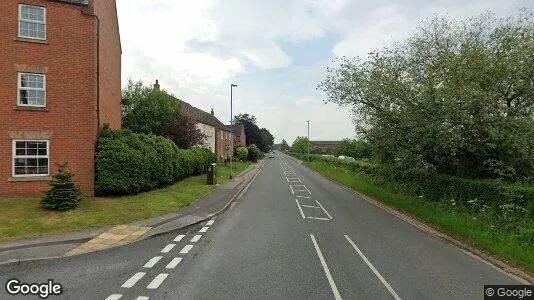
(291, 234)
(102, 238)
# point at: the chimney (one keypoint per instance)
(212, 113)
(156, 86)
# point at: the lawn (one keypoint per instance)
(467, 228)
(24, 218)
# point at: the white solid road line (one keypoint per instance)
(179, 238)
(326, 270)
(174, 262)
(203, 229)
(300, 209)
(317, 218)
(142, 298)
(370, 265)
(168, 248)
(114, 297)
(154, 260)
(133, 280)
(210, 222)
(292, 191)
(324, 210)
(157, 281)
(186, 249)
(310, 206)
(306, 197)
(196, 238)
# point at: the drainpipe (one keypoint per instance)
(97, 66)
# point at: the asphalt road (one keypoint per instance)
(293, 235)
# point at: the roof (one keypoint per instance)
(201, 116)
(325, 142)
(79, 2)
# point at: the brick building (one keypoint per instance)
(60, 82)
(240, 138)
(323, 146)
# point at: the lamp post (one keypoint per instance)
(309, 143)
(231, 127)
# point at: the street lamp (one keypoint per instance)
(309, 143)
(231, 127)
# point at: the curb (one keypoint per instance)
(241, 189)
(513, 271)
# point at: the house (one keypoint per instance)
(239, 135)
(323, 146)
(223, 142)
(60, 83)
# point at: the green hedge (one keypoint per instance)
(486, 196)
(129, 163)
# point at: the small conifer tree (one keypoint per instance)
(63, 194)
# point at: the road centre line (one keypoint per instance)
(157, 281)
(203, 229)
(196, 238)
(300, 209)
(154, 260)
(370, 265)
(210, 222)
(324, 210)
(114, 297)
(326, 270)
(133, 280)
(174, 262)
(168, 248)
(310, 206)
(292, 191)
(306, 197)
(317, 218)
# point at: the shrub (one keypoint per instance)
(241, 153)
(129, 163)
(63, 194)
(254, 153)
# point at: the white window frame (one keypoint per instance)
(14, 156)
(19, 85)
(32, 21)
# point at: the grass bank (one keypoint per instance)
(473, 230)
(24, 218)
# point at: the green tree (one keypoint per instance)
(241, 153)
(267, 140)
(63, 194)
(284, 146)
(262, 138)
(145, 110)
(457, 97)
(353, 148)
(300, 145)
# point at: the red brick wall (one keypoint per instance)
(110, 63)
(68, 57)
(222, 144)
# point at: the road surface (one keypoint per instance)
(293, 235)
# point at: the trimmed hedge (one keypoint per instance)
(129, 163)
(474, 195)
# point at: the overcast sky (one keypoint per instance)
(276, 51)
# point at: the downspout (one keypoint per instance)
(97, 66)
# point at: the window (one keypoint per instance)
(32, 22)
(32, 90)
(30, 158)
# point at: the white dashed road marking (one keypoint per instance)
(133, 280)
(317, 218)
(168, 248)
(186, 249)
(174, 262)
(370, 265)
(142, 298)
(326, 270)
(324, 210)
(152, 262)
(210, 222)
(157, 281)
(300, 209)
(196, 238)
(114, 297)
(204, 229)
(310, 206)
(179, 238)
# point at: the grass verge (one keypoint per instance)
(467, 228)
(24, 218)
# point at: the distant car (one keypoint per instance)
(271, 155)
